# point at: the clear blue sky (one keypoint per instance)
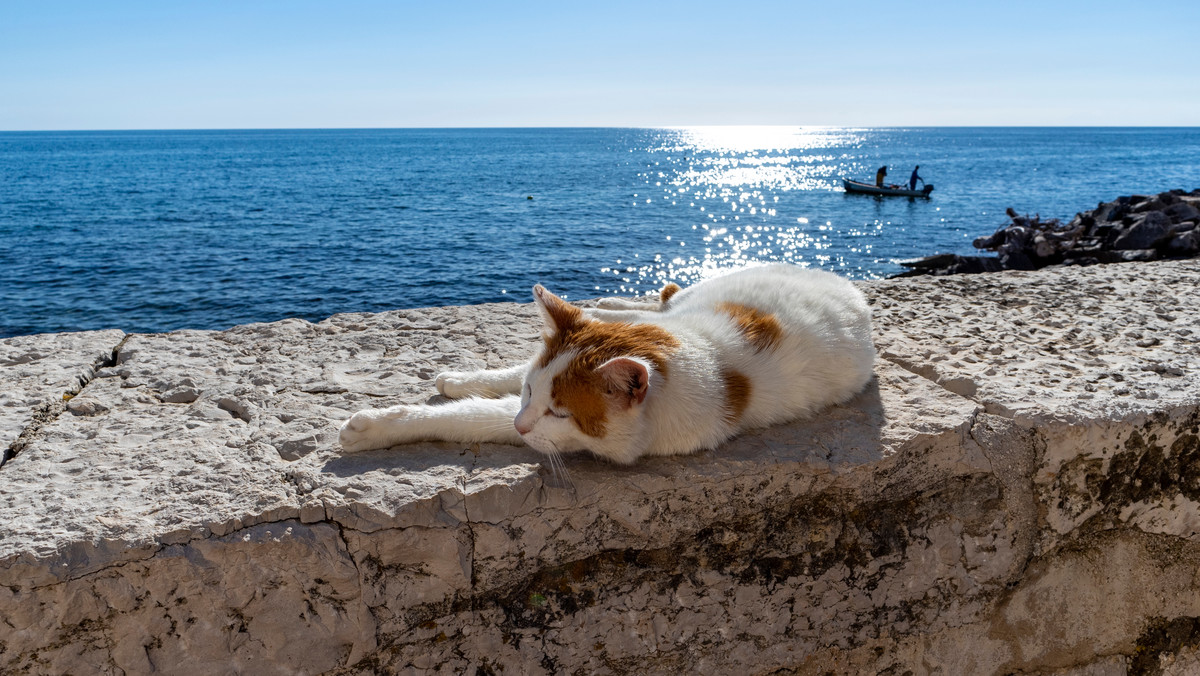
(167, 64)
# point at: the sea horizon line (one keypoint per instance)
(814, 127)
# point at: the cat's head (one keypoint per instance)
(589, 387)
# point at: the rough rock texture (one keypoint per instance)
(1127, 229)
(42, 372)
(1017, 491)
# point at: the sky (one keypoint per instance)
(267, 64)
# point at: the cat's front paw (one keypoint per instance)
(456, 385)
(365, 430)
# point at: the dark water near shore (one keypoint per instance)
(153, 231)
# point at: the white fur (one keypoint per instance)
(626, 304)
(465, 420)
(825, 357)
(456, 385)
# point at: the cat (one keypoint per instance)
(755, 347)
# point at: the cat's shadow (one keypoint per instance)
(847, 434)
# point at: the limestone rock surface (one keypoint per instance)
(1018, 490)
(37, 371)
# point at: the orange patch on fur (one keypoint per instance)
(583, 395)
(761, 330)
(562, 313)
(668, 291)
(579, 388)
(737, 395)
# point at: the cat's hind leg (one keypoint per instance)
(459, 384)
(630, 316)
(626, 304)
(466, 420)
(644, 305)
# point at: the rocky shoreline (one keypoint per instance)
(1132, 228)
(1017, 491)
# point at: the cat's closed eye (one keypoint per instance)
(556, 414)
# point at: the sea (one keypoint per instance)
(151, 231)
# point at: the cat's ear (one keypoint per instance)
(626, 380)
(556, 312)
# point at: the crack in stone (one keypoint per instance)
(470, 527)
(473, 591)
(1031, 499)
(358, 575)
(111, 566)
(42, 416)
(159, 547)
(49, 411)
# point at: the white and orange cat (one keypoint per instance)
(754, 347)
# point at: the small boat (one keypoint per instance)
(893, 189)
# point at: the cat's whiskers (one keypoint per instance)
(558, 468)
(495, 428)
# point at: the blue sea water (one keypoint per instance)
(159, 230)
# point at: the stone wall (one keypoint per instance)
(1017, 491)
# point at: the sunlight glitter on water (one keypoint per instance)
(746, 139)
(731, 180)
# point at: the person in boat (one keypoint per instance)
(879, 176)
(912, 180)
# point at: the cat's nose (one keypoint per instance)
(524, 421)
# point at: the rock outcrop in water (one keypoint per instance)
(1134, 228)
(1018, 491)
